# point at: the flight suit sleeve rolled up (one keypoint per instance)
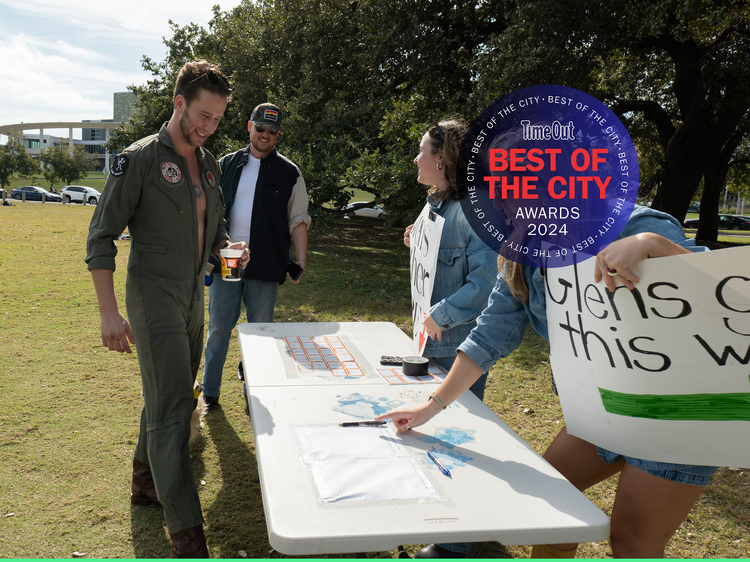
(113, 212)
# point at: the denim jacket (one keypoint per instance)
(501, 326)
(464, 277)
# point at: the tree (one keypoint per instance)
(359, 79)
(340, 71)
(738, 169)
(60, 165)
(15, 161)
(677, 71)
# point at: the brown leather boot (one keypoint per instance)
(143, 491)
(189, 543)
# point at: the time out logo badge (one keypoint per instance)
(551, 176)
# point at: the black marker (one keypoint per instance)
(362, 424)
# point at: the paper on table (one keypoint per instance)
(371, 479)
(362, 463)
(327, 442)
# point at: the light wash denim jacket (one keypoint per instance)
(464, 278)
(501, 326)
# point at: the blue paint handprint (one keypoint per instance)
(365, 407)
(450, 436)
(446, 438)
(449, 457)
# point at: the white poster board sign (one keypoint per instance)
(424, 244)
(660, 372)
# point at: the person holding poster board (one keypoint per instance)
(653, 498)
(465, 271)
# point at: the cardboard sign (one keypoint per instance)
(424, 245)
(660, 372)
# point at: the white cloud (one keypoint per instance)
(51, 81)
(78, 52)
(63, 60)
(139, 18)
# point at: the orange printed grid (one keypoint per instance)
(323, 354)
(395, 376)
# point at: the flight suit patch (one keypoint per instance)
(119, 165)
(171, 172)
(211, 178)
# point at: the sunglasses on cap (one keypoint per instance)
(272, 130)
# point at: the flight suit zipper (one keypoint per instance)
(196, 246)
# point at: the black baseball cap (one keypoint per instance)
(266, 114)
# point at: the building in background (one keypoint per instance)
(92, 137)
(123, 106)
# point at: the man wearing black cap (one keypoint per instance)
(265, 205)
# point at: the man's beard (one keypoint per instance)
(191, 137)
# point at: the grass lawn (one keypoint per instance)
(69, 409)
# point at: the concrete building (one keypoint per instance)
(94, 133)
(123, 106)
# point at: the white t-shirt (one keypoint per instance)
(242, 208)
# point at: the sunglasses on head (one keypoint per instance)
(272, 129)
(213, 79)
(439, 130)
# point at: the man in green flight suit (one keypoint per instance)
(165, 189)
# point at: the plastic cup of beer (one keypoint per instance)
(231, 268)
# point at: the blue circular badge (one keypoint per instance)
(552, 176)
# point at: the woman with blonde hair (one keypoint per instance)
(653, 498)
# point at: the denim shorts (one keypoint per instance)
(694, 475)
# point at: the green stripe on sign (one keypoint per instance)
(733, 406)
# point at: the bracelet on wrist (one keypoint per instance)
(437, 401)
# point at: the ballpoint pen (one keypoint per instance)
(362, 424)
(439, 464)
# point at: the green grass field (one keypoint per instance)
(69, 409)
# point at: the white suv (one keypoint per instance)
(80, 194)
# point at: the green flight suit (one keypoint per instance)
(150, 191)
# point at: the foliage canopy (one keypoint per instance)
(15, 162)
(61, 165)
(359, 80)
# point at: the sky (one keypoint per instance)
(63, 59)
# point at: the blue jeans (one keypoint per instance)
(224, 303)
(478, 389)
(692, 475)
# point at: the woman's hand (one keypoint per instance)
(407, 236)
(616, 259)
(413, 416)
(433, 330)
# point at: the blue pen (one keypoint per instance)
(439, 464)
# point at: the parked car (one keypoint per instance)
(80, 193)
(34, 193)
(694, 208)
(364, 209)
(726, 222)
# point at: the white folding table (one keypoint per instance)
(500, 488)
(268, 359)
